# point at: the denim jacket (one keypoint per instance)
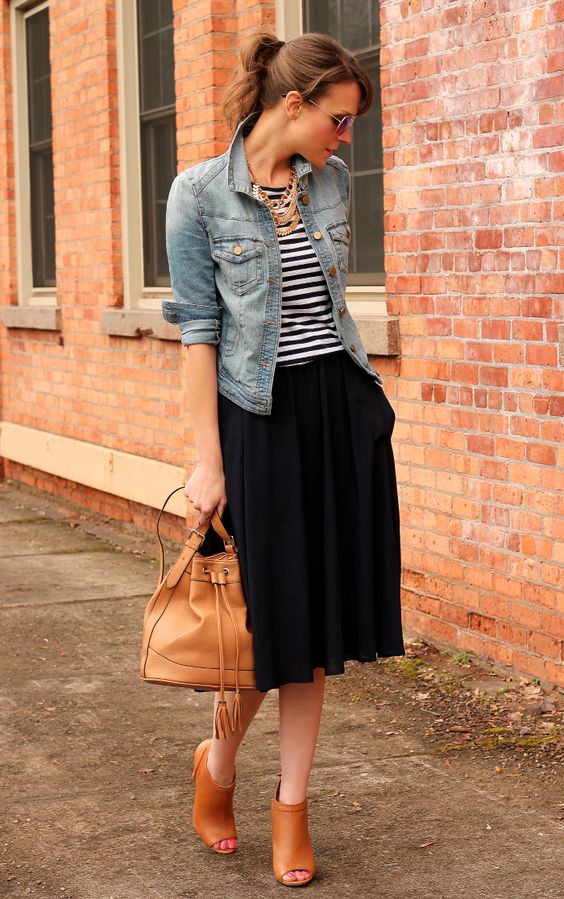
(226, 270)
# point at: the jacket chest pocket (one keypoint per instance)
(241, 261)
(340, 234)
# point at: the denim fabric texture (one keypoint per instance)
(226, 270)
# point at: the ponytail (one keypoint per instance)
(243, 95)
(269, 68)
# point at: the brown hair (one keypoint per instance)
(269, 68)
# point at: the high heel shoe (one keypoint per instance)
(213, 804)
(291, 844)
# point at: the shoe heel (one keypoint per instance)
(198, 756)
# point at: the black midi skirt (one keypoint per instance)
(313, 506)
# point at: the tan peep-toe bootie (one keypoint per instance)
(213, 803)
(291, 844)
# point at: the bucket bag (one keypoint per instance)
(195, 631)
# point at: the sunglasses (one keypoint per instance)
(342, 124)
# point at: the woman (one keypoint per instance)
(291, 424)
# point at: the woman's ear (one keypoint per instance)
(293, 104)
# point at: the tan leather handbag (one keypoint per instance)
(195, 631)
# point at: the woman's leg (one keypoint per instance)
(221, 757)
(300, 708)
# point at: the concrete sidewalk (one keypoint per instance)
(95, 764)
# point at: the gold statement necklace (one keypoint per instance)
(284, 209)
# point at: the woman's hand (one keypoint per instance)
(206, 489)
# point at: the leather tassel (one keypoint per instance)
(237, 713)
(221, 721)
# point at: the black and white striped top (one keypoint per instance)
(308, 329)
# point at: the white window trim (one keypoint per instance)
(28, 295)
(364, 299)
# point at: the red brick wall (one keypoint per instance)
(473, 96)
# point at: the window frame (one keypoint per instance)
(29, 297)
(137, 297)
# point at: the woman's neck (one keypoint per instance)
(270, 161)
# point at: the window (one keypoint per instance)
(157, 127)
(40, 149)
(356, 25)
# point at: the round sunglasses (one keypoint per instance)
(342, 124)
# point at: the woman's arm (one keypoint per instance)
(206, 487)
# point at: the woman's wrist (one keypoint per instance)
(211, 461)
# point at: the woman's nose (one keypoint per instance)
(346, 136)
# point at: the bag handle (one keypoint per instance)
(201, 530)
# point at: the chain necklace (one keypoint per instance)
(284, 209)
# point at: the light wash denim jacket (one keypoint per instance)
(226, 269)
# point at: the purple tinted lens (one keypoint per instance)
(344, 124)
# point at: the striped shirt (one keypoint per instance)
(308, 329)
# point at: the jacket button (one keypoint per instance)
(305, 199)
(317, 234)
(353, 348)
(237, 250)
(333, 271)
(342, 310)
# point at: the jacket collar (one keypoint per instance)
(237, 170)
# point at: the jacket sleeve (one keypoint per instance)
(195, 308)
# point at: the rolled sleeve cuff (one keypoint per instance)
(200, 331)
(197, 324)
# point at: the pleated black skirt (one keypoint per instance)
(313, 506)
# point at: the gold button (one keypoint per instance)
(305, 199)
(353, 348)
(333, 271)
(237, 250)
(317, 234)
(342, 310)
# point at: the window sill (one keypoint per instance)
(138, 323)
(44, 318)
(379, 333)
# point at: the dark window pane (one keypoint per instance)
(345, 150)
(166, 13)
(368, 221)
(375, 25)
(167, 68)
(38, 77)
(49, 218)
(41, 198)
(42, 218)
(355, 25)
(158, 152)
(158, 131)
(367, 130)
(149, 15)
(151, 72)
(156, 55)
(323, 17)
